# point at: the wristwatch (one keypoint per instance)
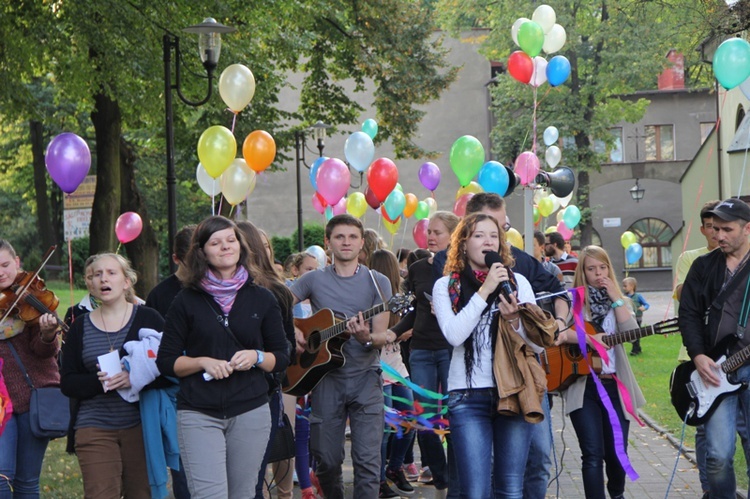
(261, 356)
(368, 344)
(617, 303)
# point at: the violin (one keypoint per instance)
(29, 299)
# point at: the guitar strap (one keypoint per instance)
(377, 287)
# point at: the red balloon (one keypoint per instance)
(319, 203)
(520, 66)
(385, 216)
(419, 233)
(382, 177)
(459, 207)
(371, 199)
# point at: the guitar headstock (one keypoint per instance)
(400, 303)
(669, 326)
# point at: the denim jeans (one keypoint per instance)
(539, 462)
(490, 448)
(429, 369)
(596, 440)
(721, 429)
(399, 445)
(21, 457)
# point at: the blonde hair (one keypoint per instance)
(127, 270)
(631, 281)
(457, 259)
(597, 253)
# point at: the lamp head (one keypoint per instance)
(209, 41)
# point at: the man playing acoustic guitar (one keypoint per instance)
(354, 390)
(714, 306)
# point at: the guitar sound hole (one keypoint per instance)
(313, 342)
(574, 353)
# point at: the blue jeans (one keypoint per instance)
(721, 429)
(399, 445)
(539, 463)
(21, 457)
(429, 369)
(596, 440)
(488, 445)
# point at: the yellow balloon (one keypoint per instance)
(237, 182)
(392, 227)
(546, 207)
(559, 216)
(473, 188)
(514, 237)
(627, 238)
(550, 229)
(217, 149)
(356, 204)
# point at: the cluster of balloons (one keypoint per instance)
(128, 227)
(68, 161)
(633, 250)
(731, 63)
(541, 32)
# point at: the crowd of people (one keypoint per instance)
(197, 386)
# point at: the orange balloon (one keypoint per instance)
(411, 205)
(259, 150)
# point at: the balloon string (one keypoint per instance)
(392, 236)
(70, 277)
(234, 119)
(403, 234)
(231, 210)
(117, 251)
(221, 201)
(213, 198)
(533, 123)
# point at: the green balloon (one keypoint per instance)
(531, 38)
(467, 158)
(422, 211)
(731, 62)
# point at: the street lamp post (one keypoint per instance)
(209, 45)
(637, 192)
(319, 130)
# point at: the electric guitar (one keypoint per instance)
(695, 400)
(325, 336)
(564, 363)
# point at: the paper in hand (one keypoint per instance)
(110, 364)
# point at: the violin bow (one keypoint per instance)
(20, 293)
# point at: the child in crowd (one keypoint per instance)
(629, 285)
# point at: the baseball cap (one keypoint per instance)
(731, 209)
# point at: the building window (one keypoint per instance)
(660, 143)
(654, 236)
(740, 117)
(615, 150)
(575, 241)
(706, 129)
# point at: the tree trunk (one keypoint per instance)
(106, 118)
(47, 232)
(144, 250)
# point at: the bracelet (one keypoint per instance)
(617, 303)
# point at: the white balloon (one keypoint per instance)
(432, 205)
(559, 216)
(554, 39)
(516, 26)
(544, 16)
(539, 76)
(553, 155)
(207, 184)
(540, 194)
(319, 254)
(237, 181)
(237, 87)
(550, 135)
(566, 200)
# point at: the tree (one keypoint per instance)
(614, 47)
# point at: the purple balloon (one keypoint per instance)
(68, 161)
(429, 175)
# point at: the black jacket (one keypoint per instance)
(78, 383)
(193, 329)
(700, 311)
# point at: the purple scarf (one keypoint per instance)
(224, 291)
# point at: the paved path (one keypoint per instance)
(652, 453)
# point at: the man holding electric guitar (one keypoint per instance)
(353, 388)
(714, 307)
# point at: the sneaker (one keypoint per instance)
(386, 491)
(399, 481)
(425, 476)
(412, 472)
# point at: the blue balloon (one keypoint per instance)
(558, 70)
(395, 204)
(493, 177)
(329, 213)
(359, 151)
(633, 253)
(314, 171)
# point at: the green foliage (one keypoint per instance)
(313, 234)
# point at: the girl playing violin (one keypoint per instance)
(21, 453)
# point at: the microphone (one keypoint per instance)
(490, 258)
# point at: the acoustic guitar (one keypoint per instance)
(564, 363)
(325, 336)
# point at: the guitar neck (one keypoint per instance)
(340, 327)
(736, 361)
(631, 335)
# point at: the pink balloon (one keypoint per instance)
(333, 180)
(419, 233)
(317, 204)
(459, 207)
(527, 166)
(340, 207)
(128, 226)
(564, 231)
